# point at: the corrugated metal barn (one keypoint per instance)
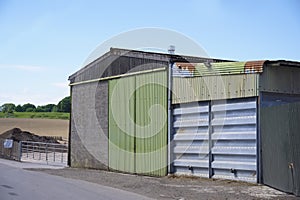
(220, 119)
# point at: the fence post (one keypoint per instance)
(20, 151)
(54, 153)
(27, 148)
(62, 155)
(32, 150)
(40, 151)
(47, 153)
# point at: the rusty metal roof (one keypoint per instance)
(220, 68)
(254, 66)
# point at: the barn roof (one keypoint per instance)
(163, 57)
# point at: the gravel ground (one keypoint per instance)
(180, 188)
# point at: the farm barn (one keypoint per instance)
(220, 118)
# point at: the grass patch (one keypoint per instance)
(42, 115)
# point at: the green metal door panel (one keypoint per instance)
(151, 124)
(280, 139)
(121, 124)
(275, 144)
(138, 124)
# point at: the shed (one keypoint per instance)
(238, 120)
(220, 118)
(110, 127)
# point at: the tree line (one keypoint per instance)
(63, 106)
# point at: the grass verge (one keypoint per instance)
(43, 115)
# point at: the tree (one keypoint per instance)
(45, 108)
(30, 110)
(64, 105)
(28, 105)
(54, 109)
(8, 108)
(39, 109)
(19, 108)
(48, 107)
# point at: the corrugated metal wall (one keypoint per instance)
(121, 124)
(205, 69)
(216, 139)
(151, 124)
(214, 87)
(138, 124)
(234, 139)
(280, 139)
(190, 139)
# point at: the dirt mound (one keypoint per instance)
(17, 134)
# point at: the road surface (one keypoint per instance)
(17, 183)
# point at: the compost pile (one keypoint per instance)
(17, 134)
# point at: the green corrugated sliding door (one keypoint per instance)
(151, 124)
(138, 124)
(121, 124)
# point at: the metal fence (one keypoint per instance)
(44, 153)
(48, 153)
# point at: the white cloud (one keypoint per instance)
(29, 68)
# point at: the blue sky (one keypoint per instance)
(43, 42)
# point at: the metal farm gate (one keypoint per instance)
(44, 153)
(216, 139)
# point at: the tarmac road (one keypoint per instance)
(17, 183)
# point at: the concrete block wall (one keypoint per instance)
(89, 126)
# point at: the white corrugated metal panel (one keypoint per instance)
(216, 139)
(234, 139)
(190, 139)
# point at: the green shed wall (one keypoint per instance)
(138, 124)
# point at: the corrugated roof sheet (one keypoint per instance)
(254, 66)
(221, 68)
(107, 59)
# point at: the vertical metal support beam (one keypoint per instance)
(69, 139)
(134, 132)
(258, 141)
(108, 131)
(210, 130)
(170, 118)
